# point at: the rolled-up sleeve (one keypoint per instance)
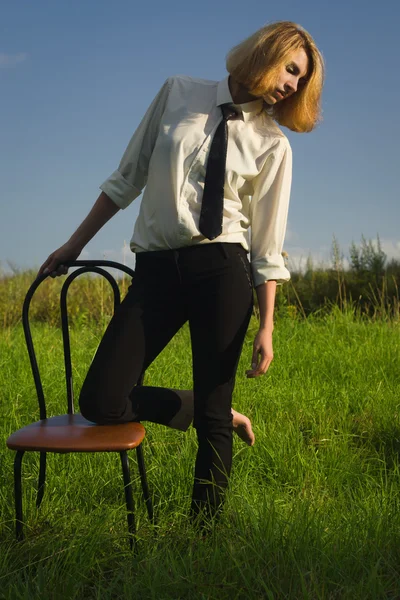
(269, 210)
(128, 181)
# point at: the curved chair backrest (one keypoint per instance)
(85, 266)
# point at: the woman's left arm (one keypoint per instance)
(262, 346)
(269, 209)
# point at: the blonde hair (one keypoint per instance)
(256, 62)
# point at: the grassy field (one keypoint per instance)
(313, 510)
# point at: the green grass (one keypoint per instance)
(313, 510)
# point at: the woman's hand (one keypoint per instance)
(262, 353)
(54, 263)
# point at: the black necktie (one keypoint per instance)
(210, 224)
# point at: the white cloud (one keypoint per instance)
(299, 254)
(391, 248)
(290, 235)
(124, 255)
(321, 257)
(11, 60)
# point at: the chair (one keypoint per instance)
(71, 432)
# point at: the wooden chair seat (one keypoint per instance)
(73, 433)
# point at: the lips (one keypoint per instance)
(280, 94)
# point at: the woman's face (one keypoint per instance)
(291, 75)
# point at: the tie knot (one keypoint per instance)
(229, 111)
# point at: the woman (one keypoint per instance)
(203, 197)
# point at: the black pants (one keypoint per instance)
(210, 286)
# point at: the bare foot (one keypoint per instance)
(241, 423)
(242, 427)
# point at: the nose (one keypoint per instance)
(291, 85)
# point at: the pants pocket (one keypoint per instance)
(246, 267)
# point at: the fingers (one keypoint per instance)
(255, 356)
(52, 267)
(264, 365)
(60, 270)
(44, 267)
(260, 363)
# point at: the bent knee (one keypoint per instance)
(100, 406)
(89, 410)
(91, 405)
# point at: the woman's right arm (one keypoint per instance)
(102, 211)
(123, 186)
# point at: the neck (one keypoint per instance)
(240, 95)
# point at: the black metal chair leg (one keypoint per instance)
(128, 496)
(42, 479)
(145, 487)
(18, 494)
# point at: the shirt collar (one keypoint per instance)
(248, 109)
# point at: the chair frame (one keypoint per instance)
(85, 266)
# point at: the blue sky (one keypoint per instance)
(76, 78)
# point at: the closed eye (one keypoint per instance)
(293, 69)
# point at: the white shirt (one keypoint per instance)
(167, 156)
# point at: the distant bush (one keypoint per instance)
(368, 285)
(89, 298)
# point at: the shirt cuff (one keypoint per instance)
(269, 267)
(119, 190)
